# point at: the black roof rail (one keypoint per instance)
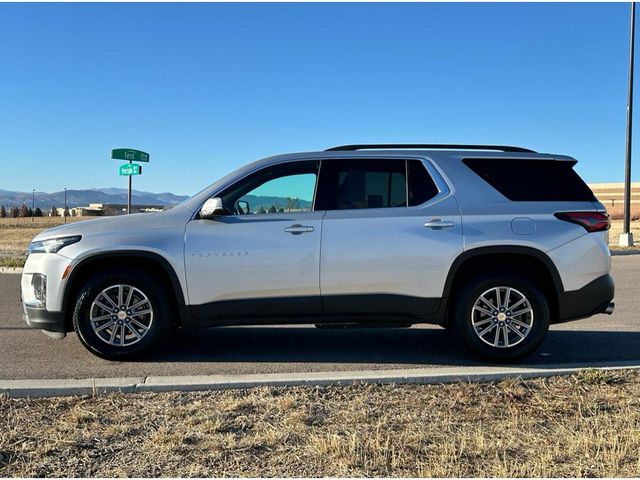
(433, 146)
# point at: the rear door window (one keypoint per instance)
(360, 183)
(532, 180)
(348, 184)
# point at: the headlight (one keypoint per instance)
(52, 245)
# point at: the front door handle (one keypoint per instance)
(297, 229)
(437, 224)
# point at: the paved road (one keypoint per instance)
(26, 353)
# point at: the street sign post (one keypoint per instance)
(129, 169)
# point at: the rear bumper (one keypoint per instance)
(595, 297)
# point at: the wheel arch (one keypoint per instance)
(530, 260)
(129, 258)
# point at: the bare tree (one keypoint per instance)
(24, 211)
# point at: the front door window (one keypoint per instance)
(284, 188)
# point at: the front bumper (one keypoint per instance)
(595, 297)
(45, 320)
(44, 314)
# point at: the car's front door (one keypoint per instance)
(262, 257)
(389, 236)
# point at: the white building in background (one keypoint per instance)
(106, 209)
(611, 195)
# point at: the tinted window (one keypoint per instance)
(421, 185)
(282, 188)
(532, 180)
(359, 183)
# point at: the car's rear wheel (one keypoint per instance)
(121, 314)
(501, 316)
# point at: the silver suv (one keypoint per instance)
(492, 242)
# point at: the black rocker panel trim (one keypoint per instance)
(254, 307)
(303, 309)
(380, 304)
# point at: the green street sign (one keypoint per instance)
(129, 154)
(130, 169)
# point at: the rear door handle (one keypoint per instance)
(437, 224)
(297, 229)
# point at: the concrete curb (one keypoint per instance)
(67, 387)
(11, 270)
(423, 376)
(623, 252)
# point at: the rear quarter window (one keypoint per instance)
(532, 180)
(421, 185)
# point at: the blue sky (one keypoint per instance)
(206, 88)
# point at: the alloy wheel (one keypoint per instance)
(121, 315)
(502, 317)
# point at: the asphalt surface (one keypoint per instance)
(29, 354)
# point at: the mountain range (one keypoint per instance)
(265, 202)
(77, 198)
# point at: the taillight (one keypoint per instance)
(591, 221)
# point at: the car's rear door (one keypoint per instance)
(390, 234)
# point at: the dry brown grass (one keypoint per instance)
(585, 425)
(37, 222)
(14, 241)
(616, 230)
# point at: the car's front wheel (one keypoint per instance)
(121, 314)
(501, 316)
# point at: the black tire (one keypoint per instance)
(462, 309)
(159, 327)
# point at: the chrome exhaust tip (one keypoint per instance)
(610, 308)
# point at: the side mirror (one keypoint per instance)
(211, 208)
